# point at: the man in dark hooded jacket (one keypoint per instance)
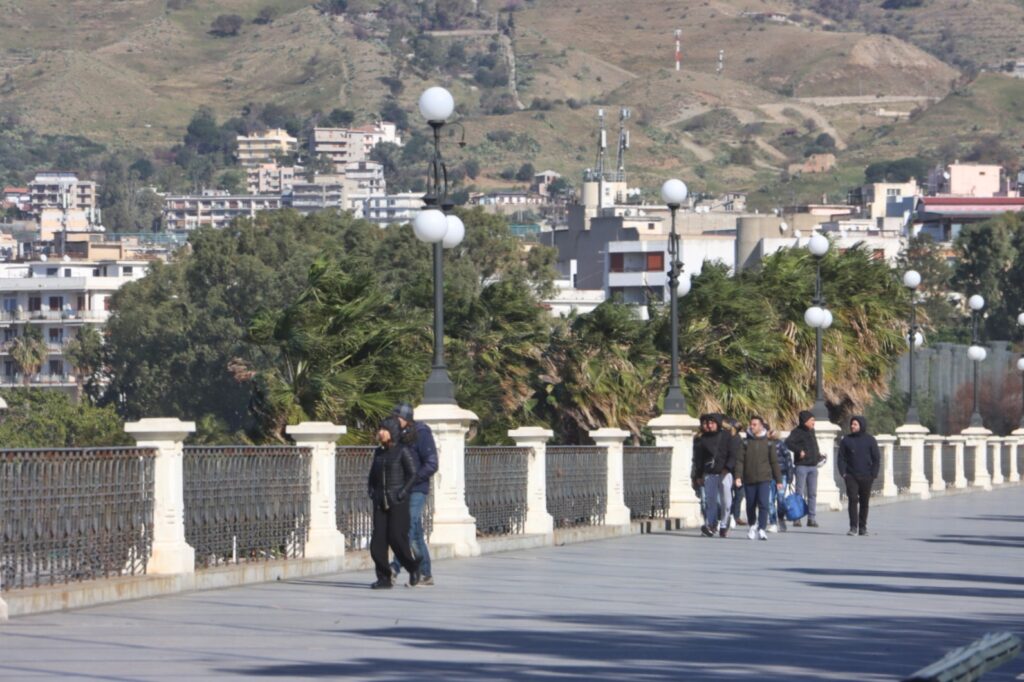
(858, 463)
(713, 464)
(803, 443)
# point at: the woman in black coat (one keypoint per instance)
(392, 475)
(858, 464)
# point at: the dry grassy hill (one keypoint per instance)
(131, 72)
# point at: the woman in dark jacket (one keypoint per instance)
(858, 463)
(392, 476)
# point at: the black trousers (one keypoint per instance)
(858, 492)
(391, 529)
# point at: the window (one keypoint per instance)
(81, 302)
(9, 368)
(127, 270)
(106, 303)
(56, 302)
(617, 264)
(56, 335)
(67, 272)
(655, 262)
(650, 226)
(35, 304)
(893, 193)
(57, 367)
(10, 305)
(10, 334)
(51, 272)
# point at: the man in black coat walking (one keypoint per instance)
(803, 443)
(858, 464)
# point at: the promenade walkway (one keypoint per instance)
(810, 604)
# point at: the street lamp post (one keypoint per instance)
(443, 230)
(820, 318)
(976, 353)
(674, 192)
(911, 280)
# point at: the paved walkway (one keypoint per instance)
(810, 604)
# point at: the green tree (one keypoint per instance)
(42, 418)
(85, 353)
(985, 253)
(29, 352)
(936, 313)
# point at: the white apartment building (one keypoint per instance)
(214, 209)
(265, 147)
(270, 178)
(61, 190)
(392, 209)
(310, 197)
(362, 180)
(59, 297)
(344, 146)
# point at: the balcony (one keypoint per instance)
(54, 316)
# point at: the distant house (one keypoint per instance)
(542, 182)
(265, 147)
(815, 163)
(16, 197)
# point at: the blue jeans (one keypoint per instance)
(417, 541)
(807, 487)
(717, 500)
(773, 503)
(757, 495)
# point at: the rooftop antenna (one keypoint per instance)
(679, 51)
(602, 145)
(620, 173)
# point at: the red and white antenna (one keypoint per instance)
(679, 51)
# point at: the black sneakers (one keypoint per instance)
(812, 524)
(707, 532)
(414, 579)
(863, 531)
(797, 524)
(381, 585)
(852, 531)
(426, 580)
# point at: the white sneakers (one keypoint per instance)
(774, 528)
(761, 535)
(732, 522)
(752, 533)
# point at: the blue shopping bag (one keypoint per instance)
(792, 506)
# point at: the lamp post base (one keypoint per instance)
(439, 389)
(913, 418)
(819, 411)
(976, 420)
(675, 403)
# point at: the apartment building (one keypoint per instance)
(265, 147)
(392, 209)
(310, 197)
(214, 209)
(362, 180)
(59, 298)
(16, 197)
(271, 178)
(61, 190)
(344, 146)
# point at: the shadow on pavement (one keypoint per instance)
(698, 647)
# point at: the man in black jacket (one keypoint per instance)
(804, 446)
(713, 463)
(858, 463)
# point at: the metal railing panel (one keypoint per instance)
(246, 503)
(496, 488)
(68, 515)
(901, 468)
(646, 474)
(577, 480)
(949, 464)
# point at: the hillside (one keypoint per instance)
(129, 74)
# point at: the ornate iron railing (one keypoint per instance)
(949, 464)
(646, 474)
(68, 515)
(969, 464)
(246, 503)
(353, 507)
(577, 479)
(901, 467)
(496, 488)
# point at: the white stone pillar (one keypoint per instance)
(538, 520)
(1014, 454)
(997, 460)
(977, 440)
(3, 611)
(452, 522)
(617, 513)
(325, 540)
(171, 554)
(828, 489)
(912, 436)
(959, 476)
(887, 444)
(676, 431)
(935, 442)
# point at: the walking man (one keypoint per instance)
(712, 468)
(804, 446)
(858, 463)
(420, 439)
(757, 467)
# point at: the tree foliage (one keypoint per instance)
(37, 418)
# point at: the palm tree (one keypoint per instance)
(85, 353)
(29, 352)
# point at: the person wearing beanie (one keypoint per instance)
(420, 440)
(858, 463)
(391, 478)
(712, 468)
(735, 429)
(804, 446)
